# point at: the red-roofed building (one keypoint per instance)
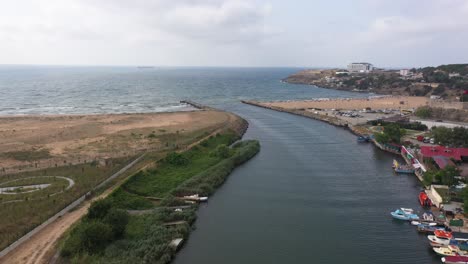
(455, 153)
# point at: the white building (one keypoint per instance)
(360, 67)
(405, 72)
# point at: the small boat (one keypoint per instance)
(363, 139)
(424, 200)
(400, 214)
(398, 168)
(418, 223)
(455, 260)
(429, 229)
(440, 238)
(195, 198)
(449, 250)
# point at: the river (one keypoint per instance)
(312, 195)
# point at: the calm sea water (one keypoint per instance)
(312, 195)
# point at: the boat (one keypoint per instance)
(449, 250)
(398, 168)
(363, 139)
(195, 198)
(429, 229)
(455, 260)
(424, 200)
(418, 223)
(440, 238)
(401, 214)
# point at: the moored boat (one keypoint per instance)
(449, 250)
(404, 214)
(424, 200)
(363, 139)
(455, 260)
(440, 238)
(428, 229)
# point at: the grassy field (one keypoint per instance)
(145, 239)
(31, 209)
(34, 208)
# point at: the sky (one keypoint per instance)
(255, 33)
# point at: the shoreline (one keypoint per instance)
(327, 119)
(232, 122)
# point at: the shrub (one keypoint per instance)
(99, 209)
(177, 159)
(423, 112)
(117, 219)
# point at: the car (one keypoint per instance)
(431, 141)
(439, 120)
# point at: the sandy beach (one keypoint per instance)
(386, 102)
(44, 140)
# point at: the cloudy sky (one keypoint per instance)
(388, 33)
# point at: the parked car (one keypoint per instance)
(431, 141)
(420, 138)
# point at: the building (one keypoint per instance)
(405, 72)
(457, 154)
(360, 67)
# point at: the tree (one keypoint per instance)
(448, 175)
(99, 209)
(222, 151)
(423, 112)
(94, 236)
(381, 138)
(428, 178)
(117, 219)
(393, 132)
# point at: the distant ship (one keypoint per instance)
(145, 67)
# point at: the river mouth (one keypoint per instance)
(311, 192)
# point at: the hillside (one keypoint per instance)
(446, 81)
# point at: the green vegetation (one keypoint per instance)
(423, 112)
(176, 168)
(25, 155)
(410, 125)
(100, 226)
(144, 238)
(455, 137)
(445, 176)
(392, 133)
(33, 208)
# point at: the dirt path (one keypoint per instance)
(41, 247)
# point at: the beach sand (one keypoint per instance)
(45, 140)
(394, 102)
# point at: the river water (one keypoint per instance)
(312, 195)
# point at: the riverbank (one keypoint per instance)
(171, 189)
(290, 107)
(174, 131)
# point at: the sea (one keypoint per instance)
(312, 194)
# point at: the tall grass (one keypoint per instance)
(146, 239)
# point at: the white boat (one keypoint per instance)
(416, 223)
(440, 238)
(449, 250)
